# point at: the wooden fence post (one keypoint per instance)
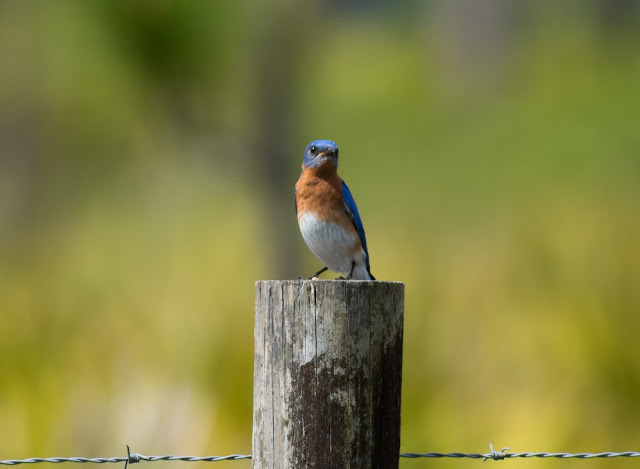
(327, 374)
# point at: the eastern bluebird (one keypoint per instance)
(328, 216)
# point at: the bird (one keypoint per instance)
(328, 216)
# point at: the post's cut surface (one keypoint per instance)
(327, 374)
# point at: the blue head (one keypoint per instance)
(319, 152)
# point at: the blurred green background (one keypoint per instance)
(148, 152)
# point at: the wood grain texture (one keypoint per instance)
(327, 374)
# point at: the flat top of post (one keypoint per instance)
(326, 281)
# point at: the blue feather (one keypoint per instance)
(355, 216)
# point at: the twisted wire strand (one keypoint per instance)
(134, 458)
(443, 455)
(609, 454)
(503, 454)
(14, 462)
(231, 457)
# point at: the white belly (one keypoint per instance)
(331, 243)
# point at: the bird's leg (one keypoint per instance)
(353, 266)
(324, 269)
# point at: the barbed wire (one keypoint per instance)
(503, 454)
(132, 458)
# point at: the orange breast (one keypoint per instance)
(319, 191)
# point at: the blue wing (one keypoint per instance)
(355, 216)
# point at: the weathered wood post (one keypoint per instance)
(327, 374)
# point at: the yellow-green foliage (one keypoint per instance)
(503, 191)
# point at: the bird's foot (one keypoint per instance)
(315, 276)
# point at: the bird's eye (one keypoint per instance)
(313, 149)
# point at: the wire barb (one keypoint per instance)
(132, 458)
(497, 455)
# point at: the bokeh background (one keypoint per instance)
(148, 152)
